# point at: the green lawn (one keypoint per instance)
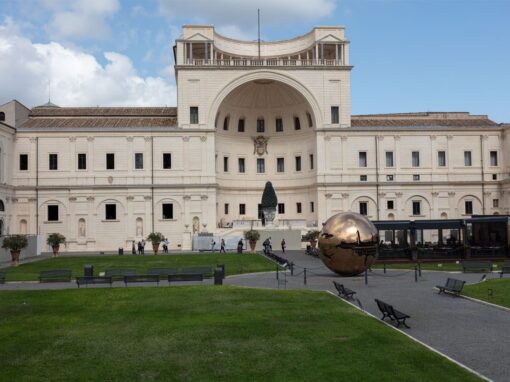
(436, 266)
(200, 333)
(234, 264)
(500, 291)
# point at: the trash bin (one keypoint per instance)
(121, 251)
(222, 266)
(218, 275)
(88, 270)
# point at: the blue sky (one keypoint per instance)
(408, 55)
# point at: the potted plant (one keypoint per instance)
(252, 236)
(15, 243)
(311, 236)
(55, 239)
(155, 238)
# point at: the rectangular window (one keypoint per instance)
(362, 159)
(298, 208)
(260, 125)
(298, 163)
(23, 162)
(167, 161)
(311, 161)
(279, 125)
(110, 212)
(389, 204)
(82, 161)
(240, 125)
(226, 122)
(363, 178)
(53, 158)
(240, 164)
(495, 203)
(225, 208)
(416, 158)
(297, 123)
(312, 207)
(168, 211)
(261, 166)
(468, 204)
(242, 209)
(225, 164)
(53, 213)
(494, 158)
(193, 115)
(110, 161)
(389, 178)
(416, 208)
(363, 208)
(494, 176)
(309, 117)
(280, 165)
(334, 114)
(281, 208)
(416, 177)
(389, 158)
(441, 158)
(467, 158)
(139, 161)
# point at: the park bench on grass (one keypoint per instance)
(343, 291)
(162, 272)
(479, 266)
(505, 268)
(141, 279)
(186, 277)
(55, 275)
(86, 280)
(119, 273)
(389, 311)
(452, 285)
(204, 271)
(2, 277)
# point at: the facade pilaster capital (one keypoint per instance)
(90, 139)
(72, 139)
(451, 193)
(129, 139)
(435, 194)
(185, 138)
(345, 195)
(399, 194)
(203, 138)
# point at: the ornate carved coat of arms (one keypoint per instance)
(260, 145)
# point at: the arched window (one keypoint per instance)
(260, 125)
(297, 123)
(2, 206)
(309, 117)
(2, 116)
(226, 122)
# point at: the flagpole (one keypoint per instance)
(258, 24)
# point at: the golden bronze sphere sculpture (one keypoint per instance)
(348, 243)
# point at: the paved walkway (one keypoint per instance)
(474, 334)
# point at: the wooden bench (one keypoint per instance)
(393, 314)
(119, 273)
(86, 280)
(505, 268)
(162, 272)
(186, 277)
(141, 279)
(479, 266)
(343, 291)
(204, 271)
(2, 277)
(452, 286)
(55, 275)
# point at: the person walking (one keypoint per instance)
(143, 247)
(240, 246)
(213, 243)
(165, 245)
(222, 246)
(140, 247)
(133, 248)
(283, 245)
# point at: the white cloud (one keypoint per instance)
(80, 19)
(77, 78)
(234, 16)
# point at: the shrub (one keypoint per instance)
(15, 242)
(310, 235)
(55, 239)
(252, 235)
(155, 237)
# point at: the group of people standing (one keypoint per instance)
(268, 245)
(140, 247)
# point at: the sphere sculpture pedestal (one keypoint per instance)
(348, 243)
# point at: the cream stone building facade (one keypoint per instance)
(246, 114)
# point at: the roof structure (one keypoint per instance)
(453, 119)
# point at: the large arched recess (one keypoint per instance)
(266, 75)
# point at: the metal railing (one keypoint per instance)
(263, 62)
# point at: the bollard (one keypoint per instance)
(384, 267)
(304, 273)
(291, 268)
(419, 269)
(366, 277)
(277, 271)
(415, 273)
